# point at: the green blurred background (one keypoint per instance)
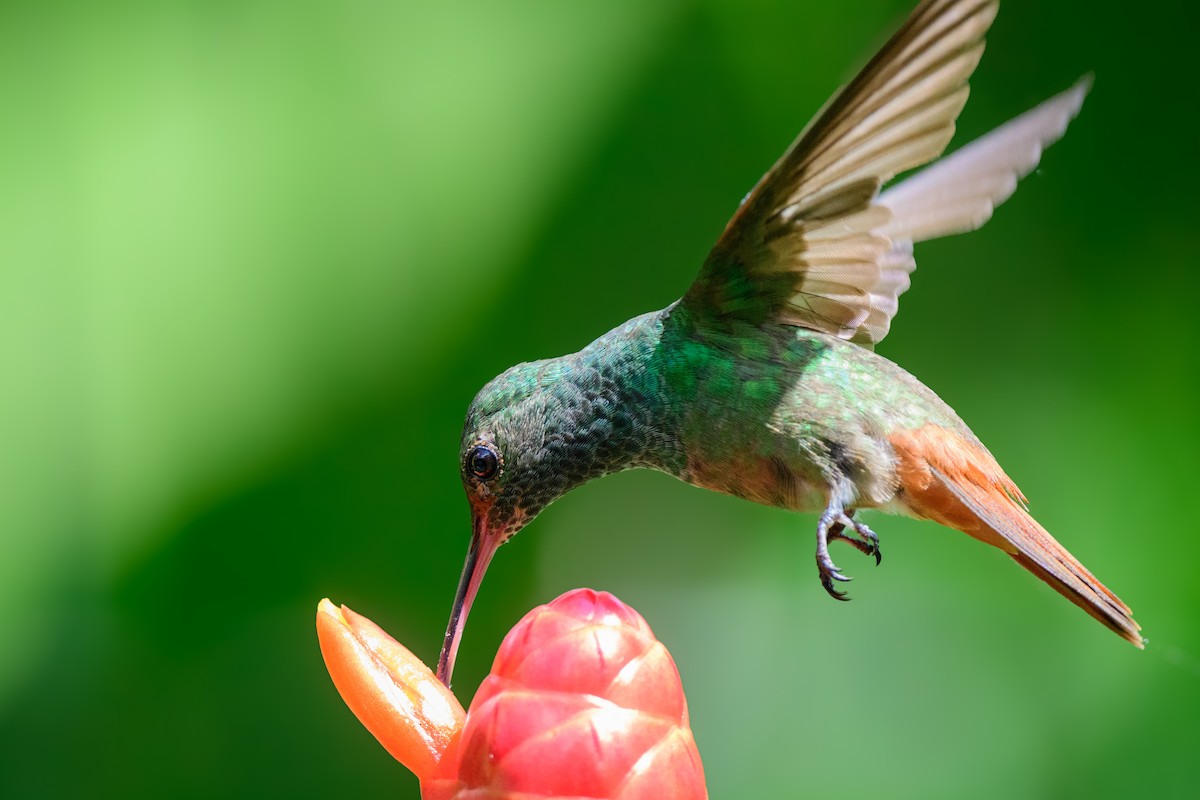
(256, 258)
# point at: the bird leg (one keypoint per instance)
(832, 525)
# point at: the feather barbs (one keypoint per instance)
(816, 244)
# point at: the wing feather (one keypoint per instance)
(959, 193)
(815, 244)
(897, 113)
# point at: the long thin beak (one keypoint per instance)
(479, 555)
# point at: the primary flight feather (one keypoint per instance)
(761, 381)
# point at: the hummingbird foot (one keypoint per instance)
(868, 545)
(832, 526)
(829, 526)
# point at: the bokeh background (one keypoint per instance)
(256, 257)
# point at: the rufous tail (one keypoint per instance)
(955, 482)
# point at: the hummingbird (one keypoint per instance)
(762, 381)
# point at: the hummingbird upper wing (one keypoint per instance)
(815, 244)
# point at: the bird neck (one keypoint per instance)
(618, 404)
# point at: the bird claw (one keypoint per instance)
(829, 573)
(834, 593)
(868, 545)
(833, 526)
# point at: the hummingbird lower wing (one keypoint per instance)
(958, 194)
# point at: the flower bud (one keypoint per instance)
(582, 702)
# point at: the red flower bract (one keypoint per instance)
(582, 702)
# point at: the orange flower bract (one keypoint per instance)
(393, 694)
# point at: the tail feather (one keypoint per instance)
(957, 483)
(1118, 621)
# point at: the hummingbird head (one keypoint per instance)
(524, 444)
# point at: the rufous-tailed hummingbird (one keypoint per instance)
(761, 381)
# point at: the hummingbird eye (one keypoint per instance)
(483, 462)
